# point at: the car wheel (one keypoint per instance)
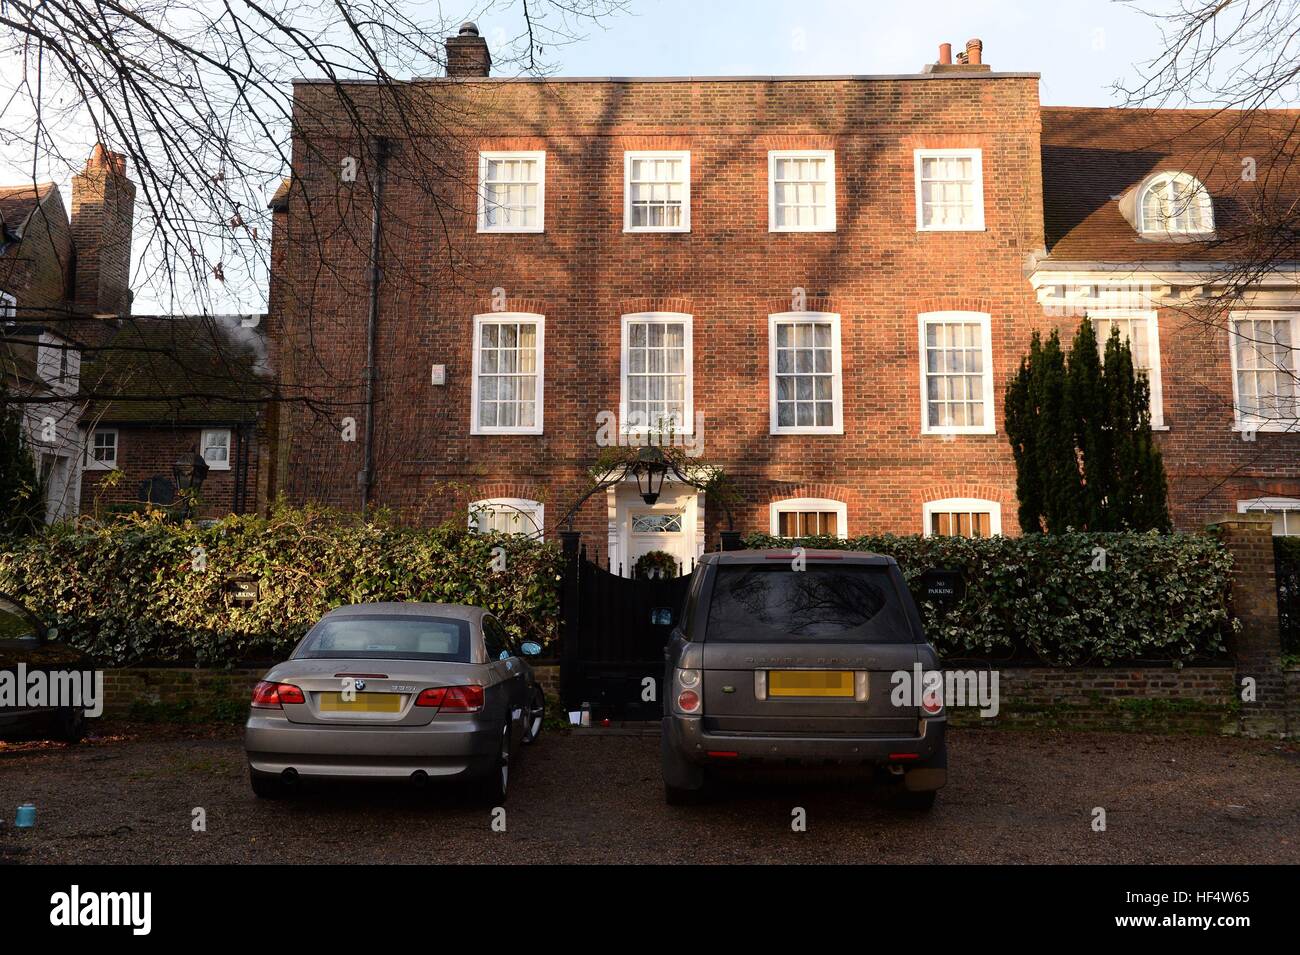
(71, 726)
(684, 783)
(266, 787)
(534, 715)
(493, 788)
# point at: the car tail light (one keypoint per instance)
(271, 696)
(452, 699)
(688, 701)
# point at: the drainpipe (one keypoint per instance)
(372, 324)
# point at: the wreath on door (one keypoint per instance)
(655, 564)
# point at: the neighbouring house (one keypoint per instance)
(179, 386)
(110, 392)
(822, 283)
(45, 286)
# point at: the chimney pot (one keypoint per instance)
(468, 28)
(945, 54)
(974, 51)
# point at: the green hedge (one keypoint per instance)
(129, 591)
(1161, 597)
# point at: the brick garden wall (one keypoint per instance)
(1141, 699)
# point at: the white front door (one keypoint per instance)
(674, 524)
(658, 530)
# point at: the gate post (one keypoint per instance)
(570, 614)
(730, 540)
(1257, 648)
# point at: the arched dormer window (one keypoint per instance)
(1174, 203)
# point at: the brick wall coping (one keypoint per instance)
(812, 77)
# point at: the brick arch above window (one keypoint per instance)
(837, 492)
(503, 488)
(650, 143)
(794, 141)
(520, 305)
(958, 303)
(784, 302)
(948, 489)
(656, 303)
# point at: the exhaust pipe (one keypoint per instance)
(289, 777)
(419, 778)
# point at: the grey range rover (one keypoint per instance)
(785, 659)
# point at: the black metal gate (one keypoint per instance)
(613, 638)
(1286, 552)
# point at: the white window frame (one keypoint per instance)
(484, 157)
(773, 156)
(839, 508)
(1152, 318)
(230, 447)
(986, 337)
(1252, 422)
(1164, 180)
(960, 505)
(977, 169)
(688, 337)
(1271, 505)
(507, 318)
(837, 376)
(684, 156)
(8, 307)
(91, 463)
(515, 505)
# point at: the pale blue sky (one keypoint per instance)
(1079, 46)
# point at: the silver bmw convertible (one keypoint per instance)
(396, 690)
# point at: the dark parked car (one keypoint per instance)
(396, 691)
(25, 640)
(786, 660)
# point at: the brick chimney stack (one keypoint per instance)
(103, 211)
(467, 53)
(969, 60)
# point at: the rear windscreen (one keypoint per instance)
(830, 603)
(380, 637)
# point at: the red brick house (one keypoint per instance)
(123, 395)
(823, 283)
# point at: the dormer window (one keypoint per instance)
(1174, 203)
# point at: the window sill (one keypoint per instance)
(100, 466)
(776, 229)
(834, 430)
(520, 231)
(951, 228)
(1270, 427)
(489, 432)
(654, 230)
(225, 466)
(946, 432)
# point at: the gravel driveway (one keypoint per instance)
(128, 796)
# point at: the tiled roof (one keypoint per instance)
(1091, 157)
(184, 369)
(17, 202)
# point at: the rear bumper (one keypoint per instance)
(445, 749)
(688, 737)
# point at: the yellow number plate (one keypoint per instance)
(361, 703)
(810, 683)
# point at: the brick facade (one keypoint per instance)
(144, 452)
(729, 272)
